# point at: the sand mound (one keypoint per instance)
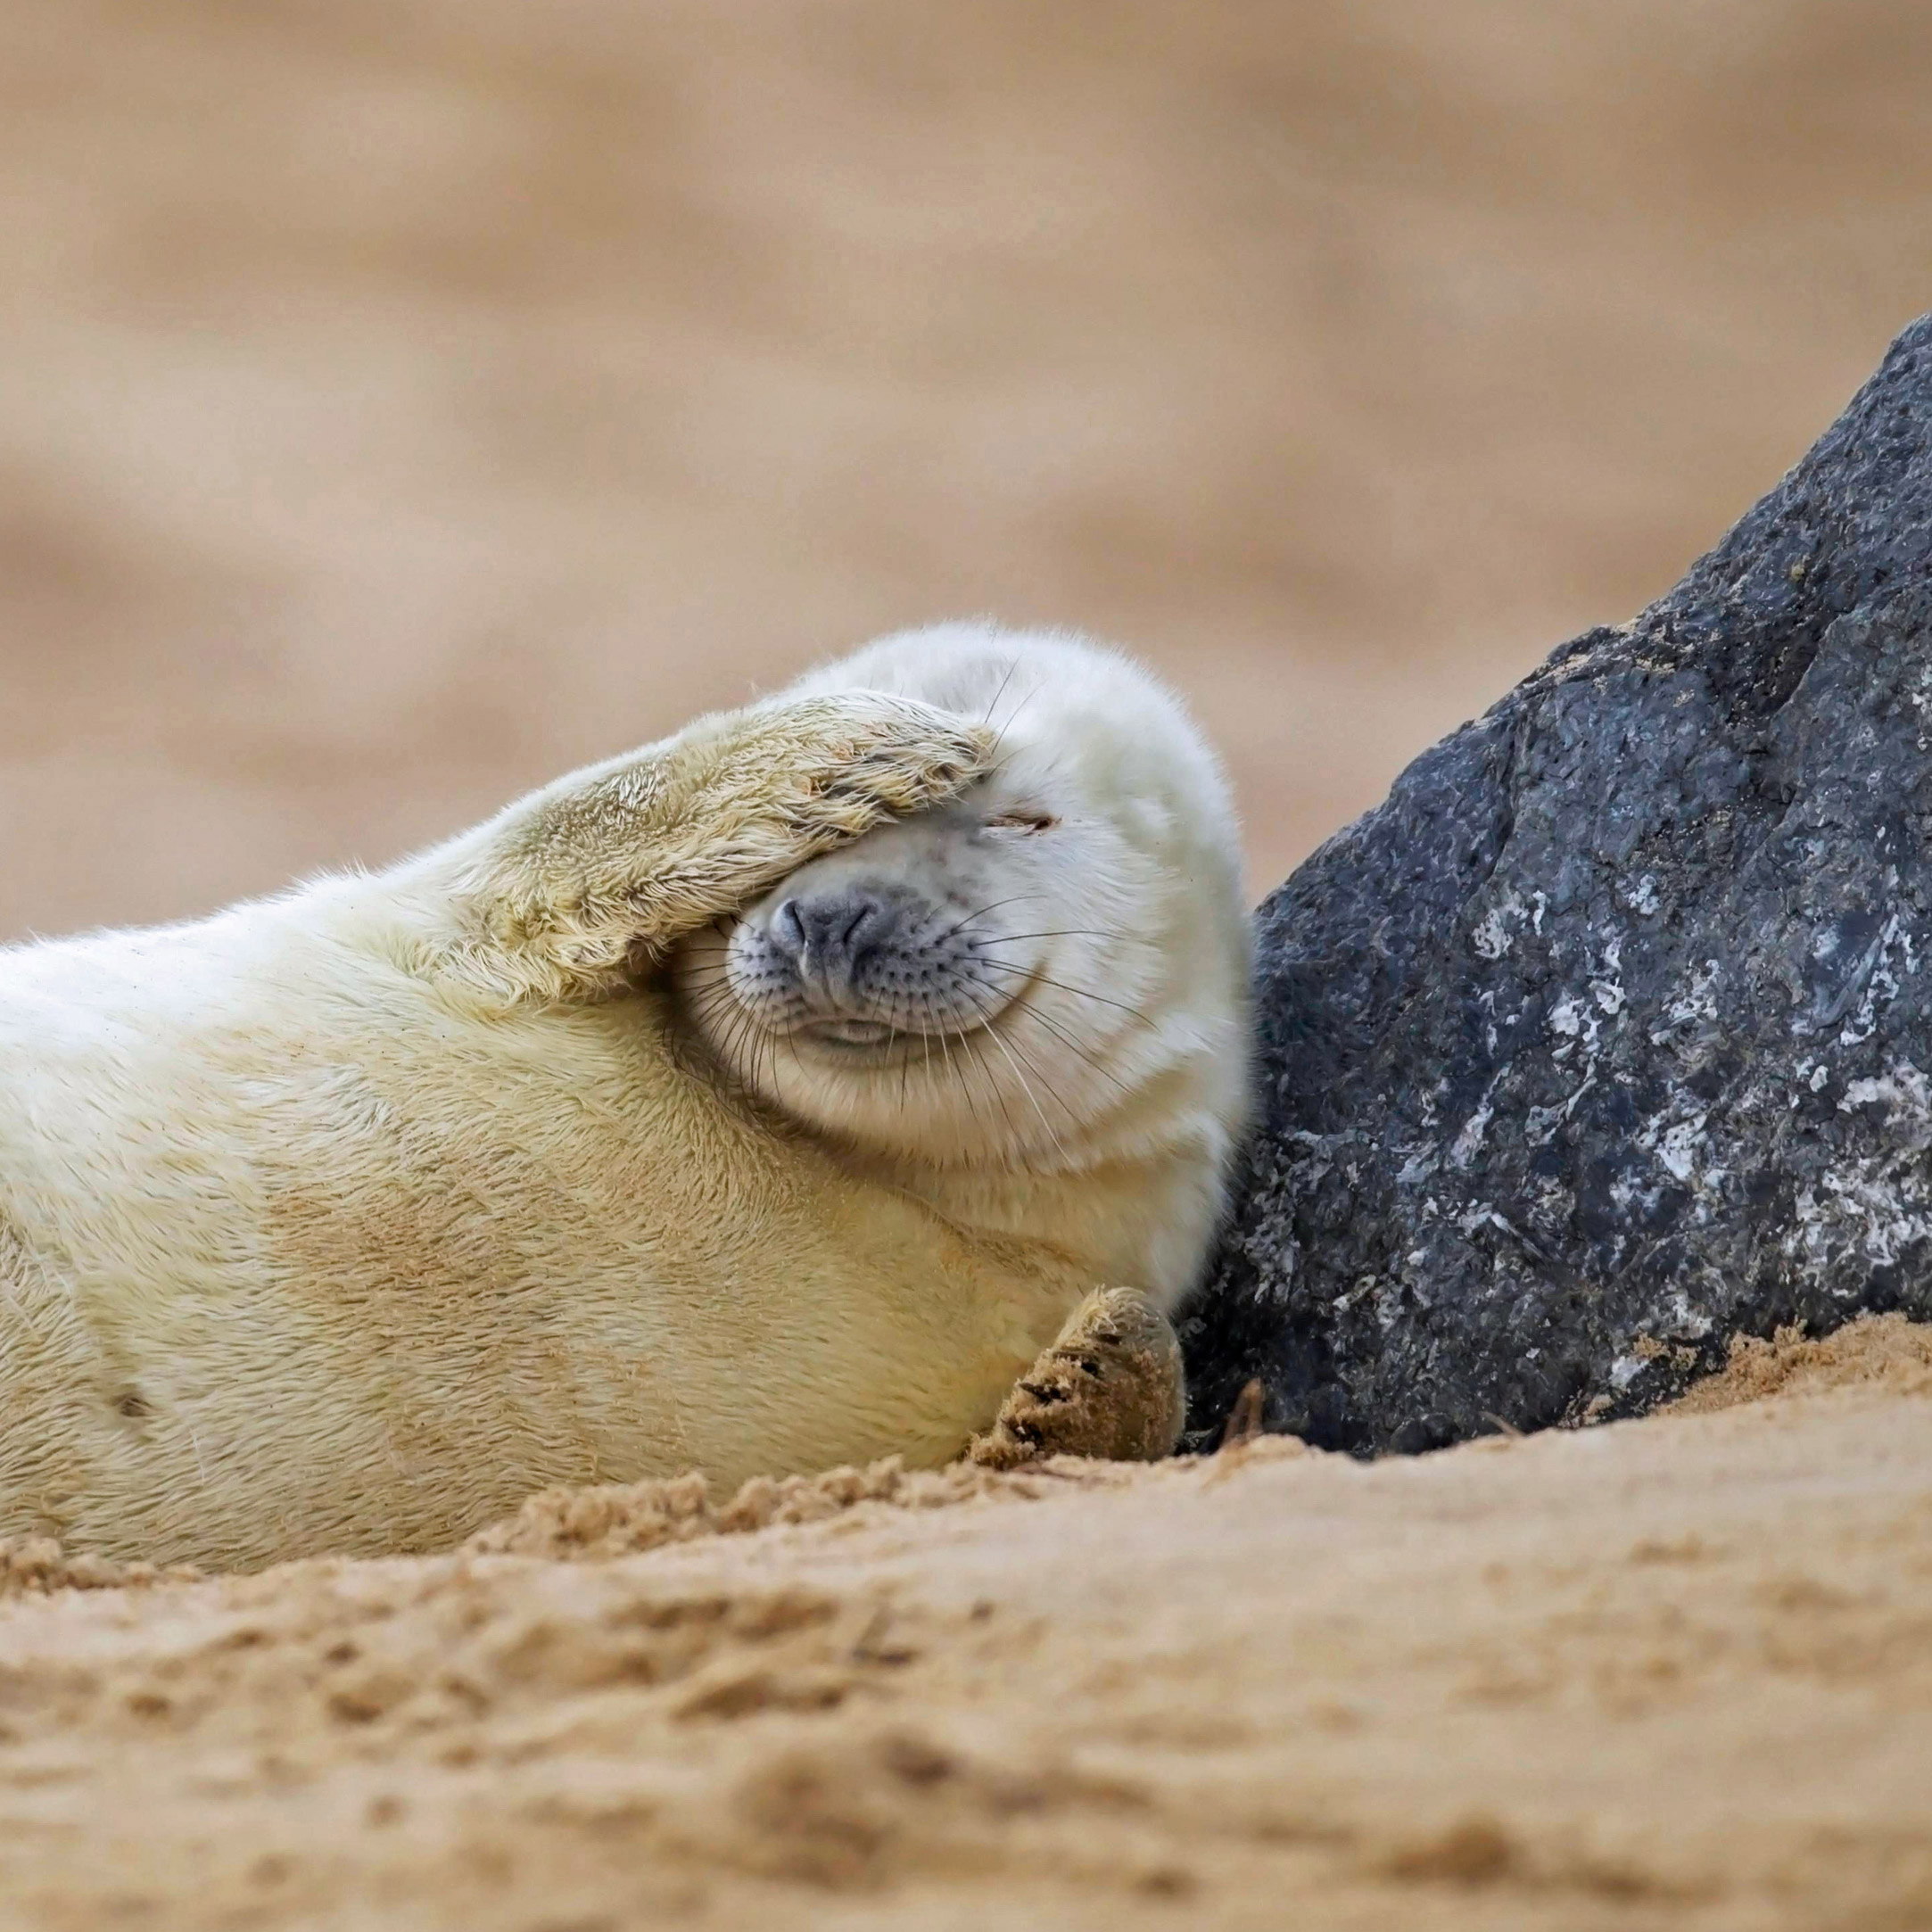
(38, 1565)
(624, 1519)
(1876, 1351)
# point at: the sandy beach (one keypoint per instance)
(403, 403)
(1675, 1672)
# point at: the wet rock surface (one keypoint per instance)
(1608, 1035)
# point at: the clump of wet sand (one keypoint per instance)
(1675, 1672)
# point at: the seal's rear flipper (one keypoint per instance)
(1110, 1387)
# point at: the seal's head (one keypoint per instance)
(1047, 976)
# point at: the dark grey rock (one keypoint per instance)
(1608, 1036)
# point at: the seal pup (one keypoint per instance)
(610, 1139)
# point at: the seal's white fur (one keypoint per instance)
(342, 1220)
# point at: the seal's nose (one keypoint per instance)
(829, 936)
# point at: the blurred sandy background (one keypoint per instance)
(402, 402)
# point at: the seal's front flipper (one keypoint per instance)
(1111, 1387)
(575, 888)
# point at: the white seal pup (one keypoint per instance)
(760, 1101)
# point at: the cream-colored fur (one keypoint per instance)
(342, 1220)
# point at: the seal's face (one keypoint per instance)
(897, 944)
(1034, 974)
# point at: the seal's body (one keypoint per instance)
(342, 1220)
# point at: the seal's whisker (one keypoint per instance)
(750, 1046)
(926, 1047)
(1008, 1051)
(1063, 932)
(744, 1044)
(999, 741)
(967, 1046)
(792, 1047)
(1029, 1062)
(986, 1033)
(1019, 898)
(1033, 1067)
(986, 717)
(708, 947)
(709, 1002)
(965, 1086)
(709, 995)
(994, 1088)
(1074, 1046)
(1084, 993)
(707, 992)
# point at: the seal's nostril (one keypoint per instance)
(866, 914)
(787, 931)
